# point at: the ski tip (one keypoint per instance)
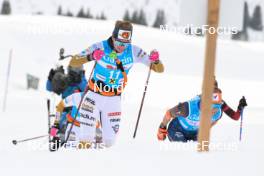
(14, 142)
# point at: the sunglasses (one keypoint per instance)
(123, 44)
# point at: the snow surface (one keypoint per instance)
(36, 40)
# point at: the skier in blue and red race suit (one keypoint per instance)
(113, 59)
(184, 118)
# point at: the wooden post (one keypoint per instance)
(7, 80)
(208, 77)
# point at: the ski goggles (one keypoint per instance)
(122, 44)
(124, 35)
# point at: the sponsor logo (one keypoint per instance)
(112, 81)
(90, 101)
(110, 67)
(127, 60)
(87, 124)
(141, 54)
(114, 120)
(88, 108)
(115, 128)
(101, 77)
(86, 116)
(110, 114)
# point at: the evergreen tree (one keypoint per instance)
(81, 13)
(103, 17)
(126, 16)
(256, 20)
(69, 14)
(246, 17)
(88, 14)
(59, 12)
(134, 18)
(142, 18)
(160, 19)
(243, 35)
(6, 8)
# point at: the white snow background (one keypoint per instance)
(36, 41)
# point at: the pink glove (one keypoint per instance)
(98, 54)
(53, 131)
(154, 56)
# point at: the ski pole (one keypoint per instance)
(62, 57)
(48, 108)
(142, 101)
(79, 106)
(241, 125)
(15, 142)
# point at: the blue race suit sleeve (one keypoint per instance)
(48, 86)
(83, 83)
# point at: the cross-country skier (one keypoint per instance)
(58, 133)
(184, 118)
(114, 58)
(65, 85)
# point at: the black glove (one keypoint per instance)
(242, 103)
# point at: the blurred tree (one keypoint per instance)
(69, 13)
(134, 18)
(6, 8)
(256, 20)
(59, 12)
(81, 13)
(243, 35)
(142, 18)
(160, 19)
(126, 16)
(88, 14)
(103, 17)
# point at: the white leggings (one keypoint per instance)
(105, 109)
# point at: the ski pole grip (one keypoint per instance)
(53, 132)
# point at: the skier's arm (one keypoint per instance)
(69, 101)
(48, 86)
(140, 56)
(87, 55)
(235, 115)
(181, 109)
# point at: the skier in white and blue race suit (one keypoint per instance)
(113, 59)
(183, 120)
(65, 84)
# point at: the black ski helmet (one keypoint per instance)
(59, 83)
(123, 31)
